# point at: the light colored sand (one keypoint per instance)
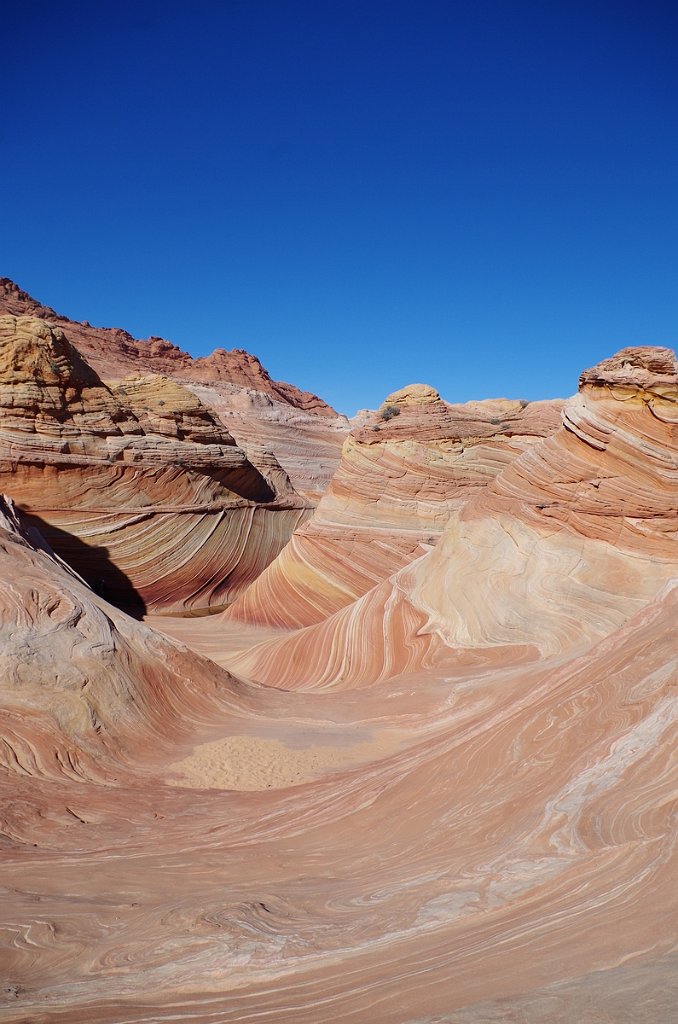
(257, 762)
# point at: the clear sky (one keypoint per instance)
(482, 196)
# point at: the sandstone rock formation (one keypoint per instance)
(302, 432)
(308, 447)
(454, 801)
(568, 540)
(114, 352)
(83, 685)
(401, 477)
(136, 485)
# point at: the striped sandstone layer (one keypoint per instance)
(399, 481)
(298, 429)
(572, 537)
(452, 878)
(307, 446)
(136, 485)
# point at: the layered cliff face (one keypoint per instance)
(136, 485)
(302, 433)
(569, 539)
(308, 447)
(403, 473)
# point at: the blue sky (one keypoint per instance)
(481, 196)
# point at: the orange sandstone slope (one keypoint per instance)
(86, 690)
(403, 472)
(303, 432)
(572, 537)
(136, 485)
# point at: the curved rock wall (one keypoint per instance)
(565, 543)
(399, 481)
(136, 485)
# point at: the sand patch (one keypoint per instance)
(257, 762)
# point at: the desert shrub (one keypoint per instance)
(389, 412)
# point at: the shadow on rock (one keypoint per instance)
(93, 564)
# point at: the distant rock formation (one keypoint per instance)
(302, 432)
(308, 447)
(113, 351)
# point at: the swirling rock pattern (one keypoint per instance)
(399, 481)
(563, 544)
(136, 485)
(463, 813)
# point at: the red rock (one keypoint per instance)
(572, 537)
(136, 485)
(301, 432)
(400, 479)
(113, 352)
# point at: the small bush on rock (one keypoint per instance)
(389, 412)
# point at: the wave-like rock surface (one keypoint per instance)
(85, 688)
(568, 540)
(451, 878)
(402, 474)
(464, 811)
(136, 485)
